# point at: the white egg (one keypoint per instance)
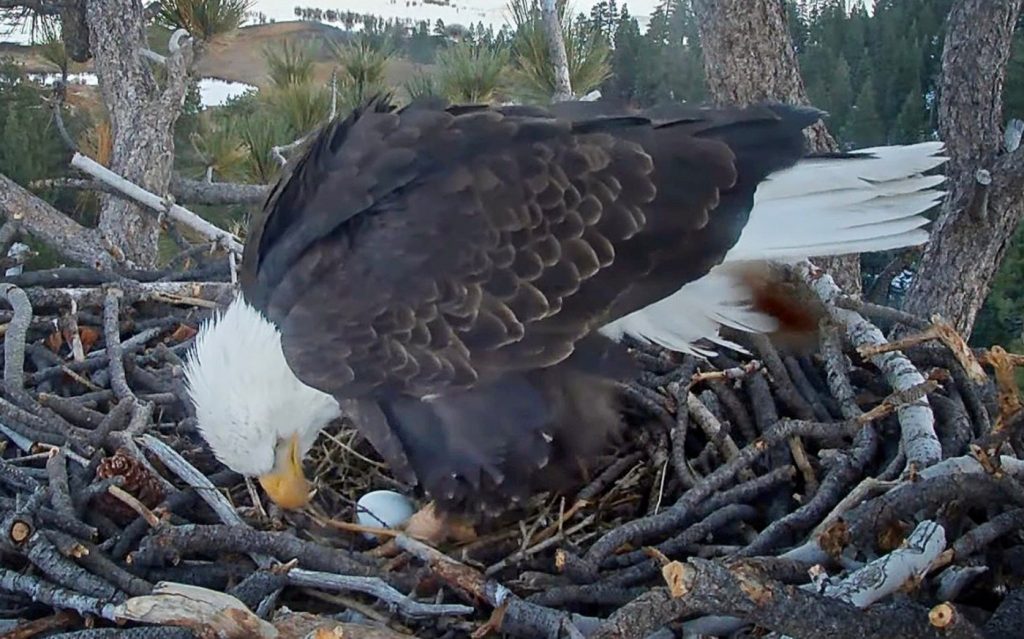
(383, 509)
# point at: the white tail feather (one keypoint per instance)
(821, 206)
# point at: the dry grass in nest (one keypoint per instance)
(343, 463)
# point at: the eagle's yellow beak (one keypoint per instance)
(287, 484)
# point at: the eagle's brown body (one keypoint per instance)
(444, 271)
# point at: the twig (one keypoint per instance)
(834, 485)
(927, 495)
(14, 338)
(517, 617)
(57, 471)
(136, 505)
(168, 545)
(377, 588)
(184, 190)
(195, 479)
(184, 293)
(646, 527)
(977, 539)
(939, 330)
(920, 442)
(91, 558)
(42, 627)
(1006, 620)
(742, 591)
(115, 353)
(52, 595)
(889, 573)
(278, 151)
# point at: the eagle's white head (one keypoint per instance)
(257, 417)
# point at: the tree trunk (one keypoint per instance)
(748, 58)
(74, 30)
(556, 47)
(978, 220)
(142, 117)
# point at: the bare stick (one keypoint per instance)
(184, 190)
(377, 588)
(195, 479)
(177, 213)
(917, 422)
(741, 591)
(278, 151)
(14, 338)
(889, 573)
(182, 293)
(515, 616)
(47, 593)
(115, 353)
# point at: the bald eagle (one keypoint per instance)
(458, 278)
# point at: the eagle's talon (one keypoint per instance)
(433, 527)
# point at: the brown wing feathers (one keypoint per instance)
(462, 254)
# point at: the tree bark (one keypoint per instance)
(556, 46)
(184, 190)
(53, 228)
(977, 221)
(749, 58)
(142, 117)
(74, 30)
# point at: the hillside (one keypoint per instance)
(237, 58)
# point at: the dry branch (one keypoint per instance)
(742, 590)
(917, 423)
(183, 190)
(53, 228)
(179, 214)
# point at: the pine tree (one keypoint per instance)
(912, 121)
(625, 59)
(840, 94)
(1013, 90)
(864, 126)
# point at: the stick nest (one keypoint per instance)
(859, 487)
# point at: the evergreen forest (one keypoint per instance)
(874, 72)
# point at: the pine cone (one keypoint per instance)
(138, 481)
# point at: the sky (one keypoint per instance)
(462, 11)
(465, 12)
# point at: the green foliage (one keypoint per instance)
(1013, 89)
(31, 148)
(471, 73)
(895, 51)
(586, 50)
(865, 124)
(361, 69)
(912, 122)
(1001, 319)
(421, 85)
(51, 46)
(289, 63)
(302, 107)
(260, 134)
(220, 149)
(203, 19)
(665, 63)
